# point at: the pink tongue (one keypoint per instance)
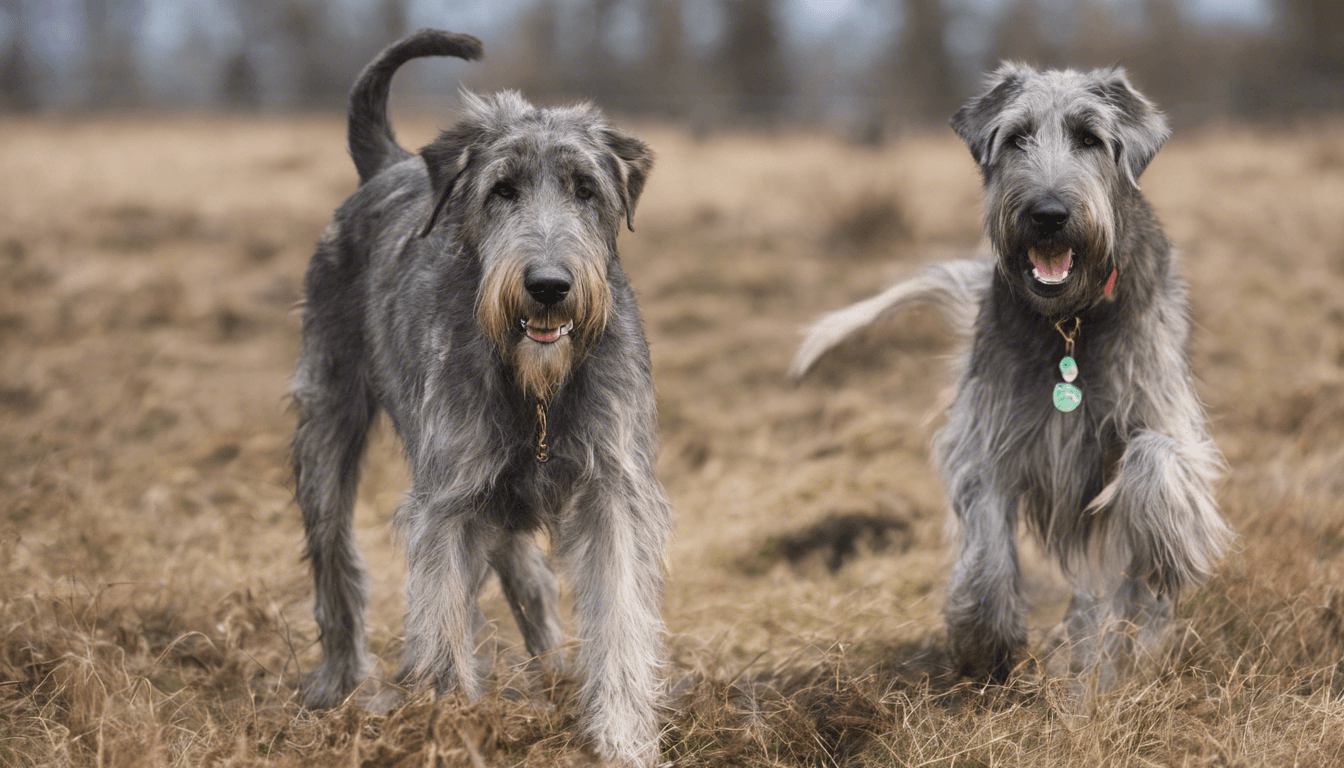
(1051, 266)
(550, 335)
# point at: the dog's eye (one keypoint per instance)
(504, 190)
(1018, 140)
(1088, 140)
(583, 192)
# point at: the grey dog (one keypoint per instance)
(473, 293)
(1112, 473)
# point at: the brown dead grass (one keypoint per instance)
(154, 610)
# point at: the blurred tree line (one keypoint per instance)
(887, 65)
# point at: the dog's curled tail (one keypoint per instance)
(955, 287)
(372, 144)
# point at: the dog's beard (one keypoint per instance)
(540, 369)
(543, 345)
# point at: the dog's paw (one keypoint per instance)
(626, 738)
(320, 692)
(984, 658)
(623, 755)
(329, 686)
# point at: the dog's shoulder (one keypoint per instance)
(383, 214)
(402, 183)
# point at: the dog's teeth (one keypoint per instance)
(1036, 273)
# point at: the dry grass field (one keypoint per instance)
(154, 610)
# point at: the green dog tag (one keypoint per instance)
(1069, 368)
(1067, 397)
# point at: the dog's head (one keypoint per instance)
(538, 195)
(1059, 150)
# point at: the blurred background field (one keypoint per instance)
(868, 67)
(153, 606)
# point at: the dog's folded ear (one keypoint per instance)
(1140, 127)
(974, 122)
(634, 160)
(445, 159)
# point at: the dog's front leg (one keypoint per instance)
(613, 544)
(1163, 534)
(984, 609)
(446, 560)
(1108, 634)
(1163, 525)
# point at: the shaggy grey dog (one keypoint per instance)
(1105, 456)
(474, 294)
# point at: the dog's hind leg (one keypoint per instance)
(532, 592)
(335, 412)
(984, 609)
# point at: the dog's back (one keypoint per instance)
(375, 219)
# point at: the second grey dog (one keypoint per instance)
(473, 293)
(1117, 487)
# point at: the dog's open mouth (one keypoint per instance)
(1050, 265)
(539, 331)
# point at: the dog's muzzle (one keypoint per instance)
(1051, 259)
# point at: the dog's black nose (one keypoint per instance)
(547, 287)
(1049, 215)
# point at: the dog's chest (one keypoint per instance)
(528, 493)
(540, 468)
(1011, 386)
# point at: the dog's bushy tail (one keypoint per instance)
(955, 287)
(372, 144)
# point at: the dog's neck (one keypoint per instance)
(1033, 334)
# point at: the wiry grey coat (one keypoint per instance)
(396, 298)
(1120, 489)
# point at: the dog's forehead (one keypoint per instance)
(546, 142)
(1059, 95)
(511, 130)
